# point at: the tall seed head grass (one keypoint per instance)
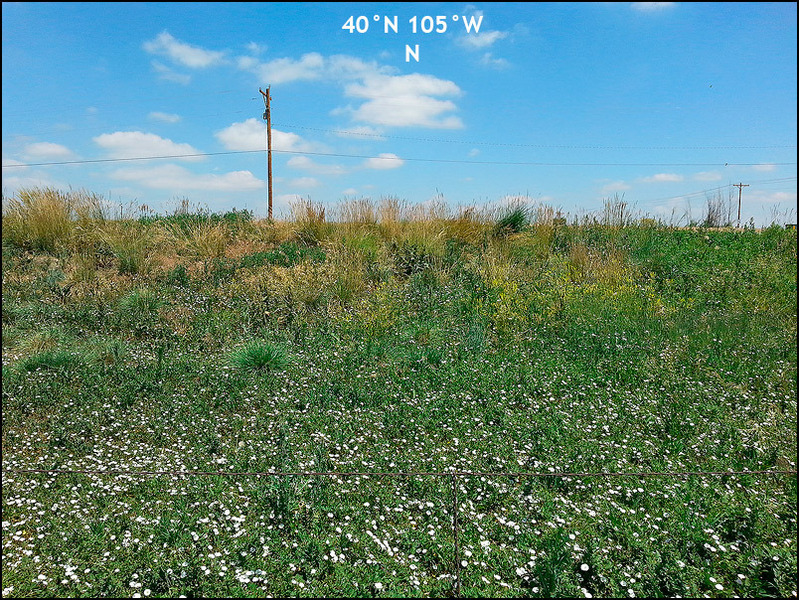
(356, 215)
(309, 220)
(45, 218)
(617, 213)
(129, 242)
(719, 212)
(200, 238)
(467, 226)
(392, 213)
(435, 209)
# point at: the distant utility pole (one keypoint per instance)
(740, 187)
(268, 119)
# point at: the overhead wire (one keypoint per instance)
(395, 158)
(520, 145)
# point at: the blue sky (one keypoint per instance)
(561, 103)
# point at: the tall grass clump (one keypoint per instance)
(139, 309)
(511, 220)
(129, 242)
(467, 226)
(719, 211)
(44, 340)
(196, 235)
(392, 214)
(45, 219)
(356, 216)
(309, 219)
(616, 212)
(208, 240)
(259, 356)
(52, 360)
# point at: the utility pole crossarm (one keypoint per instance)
(268, 118)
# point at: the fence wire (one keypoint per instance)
(452, 475)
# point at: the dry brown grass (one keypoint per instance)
(360, 211)
(309, 219)
(468, 225)
(47, 219)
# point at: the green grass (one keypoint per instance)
(259, 356)
(557, 349)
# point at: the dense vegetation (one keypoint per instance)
(394, 339)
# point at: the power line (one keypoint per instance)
(518, 145)
(106, 160)
(716, 189)
(410, 159)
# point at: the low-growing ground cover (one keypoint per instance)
(395, 343)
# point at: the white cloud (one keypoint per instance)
(488, 60)
(247, 135)
(405, 101)
(310, 66)
(177, 179)
(771, 197)
(164, 117)
(389, 99)
(663, 178)
(46, 150)
(384, 161)
(183, 54)
(137, 144)
(485, 40)
(168, 74)
(765, 168)
(707, 176)
(284, 70)
(360, 132)
(408, 111)
(304, 163)
(615, 186)
(415, 84)
(649, 7)
(478, 41)
(304, 182)
(24, 177)
(255, 48)
(473, 152)
(10, 162)
(251, 135)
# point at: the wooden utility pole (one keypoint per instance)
(740, 187)
(268, 118)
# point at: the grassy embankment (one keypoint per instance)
(398, 339)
